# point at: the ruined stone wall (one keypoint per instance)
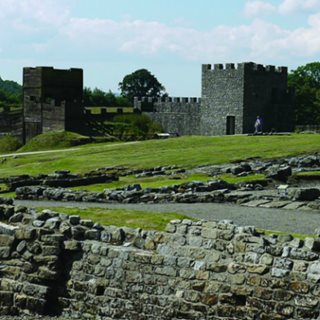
(11, 122)
(222, 96)
(175, 115)
(56, 264)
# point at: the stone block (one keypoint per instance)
(4, 252)
(25, 233)
(6, 240)
(52, 239)
(7, 229)
(72, 245)
(6, 298)
(35, 290)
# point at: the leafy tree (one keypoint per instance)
(10, 93)
(306, 82)
(141, 83)
(123, 102)
(11, 87)
(98, 97)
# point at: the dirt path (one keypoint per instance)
(59, 150)
(295, 221)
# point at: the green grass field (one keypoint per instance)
(186, 152)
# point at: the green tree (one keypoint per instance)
(141, 83)
(306, 82)
(98, 97)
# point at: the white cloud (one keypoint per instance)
(286, 7)
(44, 12)
(259, 40)
(258, 8)
(46, 28)
(290, 6)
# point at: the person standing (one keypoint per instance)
(258, 126)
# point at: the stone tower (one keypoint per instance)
(52, 100)
(232, 98)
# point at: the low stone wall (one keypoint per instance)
(61, 178)
(56, 264)
(250, 194)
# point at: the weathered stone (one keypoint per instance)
(6, 298)
(6, 240)
(72, 245)
(299, 287)
(74, 220)
(236, 268)
(312, 243)
(7, 229)
(266, 259)
(256, 268)
(4, 252)
(306, 194)
(279, 273)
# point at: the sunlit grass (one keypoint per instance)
(308, 173)
(187, 152)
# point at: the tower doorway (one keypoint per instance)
(231, 125)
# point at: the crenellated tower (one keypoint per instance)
(52, 100)
(233, 96)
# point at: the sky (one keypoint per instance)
(171, 38)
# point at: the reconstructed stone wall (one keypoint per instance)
(244, 92)
(175, 115)
(231, 99)
(222, 96)
(55, 264)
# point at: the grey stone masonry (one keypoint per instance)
(175, 115)
(222, 96)
(232, 97)
(54, 264)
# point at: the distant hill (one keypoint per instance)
(10, 87)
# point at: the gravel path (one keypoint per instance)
(295, 221)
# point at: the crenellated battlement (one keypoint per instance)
(245, 66)
(184, 100)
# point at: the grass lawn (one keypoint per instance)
(122, 217)
(186, 152)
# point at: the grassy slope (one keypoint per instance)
(54, 140)
(185, 151)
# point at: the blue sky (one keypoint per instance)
(171, 38)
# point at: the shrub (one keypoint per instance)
(135, 126)
(8, 143)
